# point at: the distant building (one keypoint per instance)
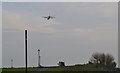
(61, 63)
(11, 63)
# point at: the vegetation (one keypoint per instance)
(86, 68)
(90, 68)
(103, 60)
(18, 70)
(99, 63)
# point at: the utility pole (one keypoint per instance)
(11, 63)
(39, 58)
(26, 49)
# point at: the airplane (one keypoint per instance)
(48, 17)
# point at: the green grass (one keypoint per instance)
(77, 69)
(73, 69)
(67, 69)
(0, 70)
(19, 69)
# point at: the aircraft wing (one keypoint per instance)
(44, 17)
(52, 17)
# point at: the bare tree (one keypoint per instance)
(104, 60)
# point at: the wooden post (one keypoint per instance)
(26, 49)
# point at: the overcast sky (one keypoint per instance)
(78, 30)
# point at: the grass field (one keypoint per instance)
(18, 70)
(0, 70)
(78, 69)
(66, 69)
